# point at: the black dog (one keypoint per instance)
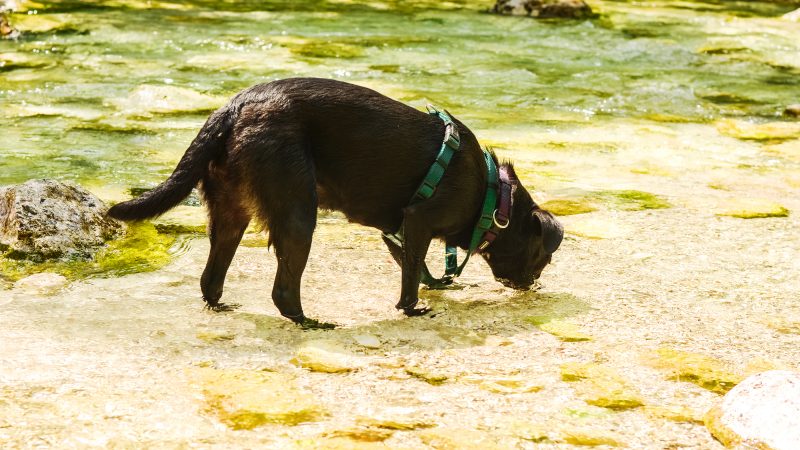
(279, 151)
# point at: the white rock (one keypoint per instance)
(367, 340)
(761, 412)
(41, 283)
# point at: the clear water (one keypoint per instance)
(660, 61)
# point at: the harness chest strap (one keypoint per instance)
(491, 220)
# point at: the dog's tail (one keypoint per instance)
(207, 146)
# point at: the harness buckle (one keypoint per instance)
(498, 224)
(451, 138)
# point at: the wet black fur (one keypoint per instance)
(279, 151)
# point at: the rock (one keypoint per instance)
(47, 219)
(701, 370)
(367, 340)
(792, 110)
(770, 131)
(366, 434)
(458, 439)
(566, 331)
(325, 356)
(793, 16)
(400, 419)
(544, 9)
(527, 431)
(568, 207)
(761, 412)
(245, 399)
(428, 375)
(590, 436)
(161, 99)
(504, 384)
(752, 208)
(680, 414)
(44, 283)
(601, 386)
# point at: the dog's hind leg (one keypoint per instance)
(228, 219)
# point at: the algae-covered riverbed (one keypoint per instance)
(655, 131)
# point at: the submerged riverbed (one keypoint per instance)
(655, 131)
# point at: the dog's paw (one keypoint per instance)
(223, 307)
(416, 312)
(313, 324)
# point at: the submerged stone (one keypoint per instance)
(325, 356)
(400, 420)
(568, 207)
(504, 384)
(701, 370)
(215, 337)
(784, 325)
(446, 438)
(601, 386)
(590, 436)
(428, 375)
(161, 99)
(566, 331)
(366, 434)
(544, 9)
(367, 340)
(759, 131)
(680, 414)
(792, 110)
(48, 219)
(182, 220)
(315, 49)
(631, 200)
(762, 412)
(752, 208)
(44, 283)
(245, 399)
(527, 431)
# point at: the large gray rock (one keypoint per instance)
(46, 219)
(762, 412)
(544, 9)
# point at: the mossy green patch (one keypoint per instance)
(631, 200)
(246, 399)
(601, 386)
(320, 49)
(752, 208)
(568, 207)
(771, 131)
(142, 249)
(566, 331)
(701, 370)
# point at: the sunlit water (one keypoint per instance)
(679, 99)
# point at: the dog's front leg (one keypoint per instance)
(417, 237)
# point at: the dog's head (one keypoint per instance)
(520, 252)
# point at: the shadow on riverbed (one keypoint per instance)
(454, 323)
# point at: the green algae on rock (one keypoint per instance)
(752, 208)
(630, 200)
(362, 433)
(601, 386)
(403, 420)
(245, 399)
(142, 249)
(564, 330)
(428, 375)
(675, 413)
(318, 49)
(771, 131)
(568, 207)
(702, 370)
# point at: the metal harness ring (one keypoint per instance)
(494, 219)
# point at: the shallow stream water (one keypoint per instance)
(661, 121)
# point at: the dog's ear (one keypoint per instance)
(549, 228)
